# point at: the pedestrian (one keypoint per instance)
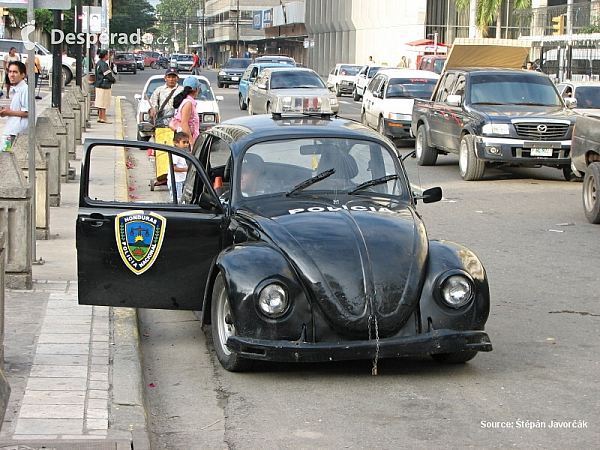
(403, 63)
(181, 140)
(370, 61)
(103, 83)
(529, 66)
(185, 104)
(37, 67)
(161, 101)
(17, 116)
(195, 63)
(9, 57)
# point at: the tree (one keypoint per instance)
(129, 15)
(172, 12)
(489, 11)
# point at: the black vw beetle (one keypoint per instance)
(295, 237)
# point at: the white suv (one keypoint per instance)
(69, 64)
(341, 78)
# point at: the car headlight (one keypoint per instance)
(145, 117)
(273, 300)
(209, 118)
(221, 73)
(456, 289)
(496, 128)
(397, 116)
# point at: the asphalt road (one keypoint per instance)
(537, 389)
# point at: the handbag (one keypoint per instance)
(163, 115)
(175, 124)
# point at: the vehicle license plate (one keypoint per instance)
(235, 78)
(541, 152)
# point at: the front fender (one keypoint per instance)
(245, 269)
(445, 256)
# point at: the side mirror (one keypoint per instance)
(138, 96)
(261, 86)
(430, 195)
(570, 102)
(454, 100)
(219, 98)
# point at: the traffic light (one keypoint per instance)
(558, 25)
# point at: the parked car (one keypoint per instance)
(148, 59)
(341, 78)
(363, 78)
(207, 107)
(388, 101)
(299, 90)
(585, 163)
(184, 62)
(249, 76)
(312, 250)
(433, 63)
(586, 93)
(231, 72)
(275, 59)
(125, 62)
(139, 59)
(68, 66)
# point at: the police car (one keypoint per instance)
(296, 238)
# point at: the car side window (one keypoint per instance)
(445, 87)
(375, 83)
(459, 87)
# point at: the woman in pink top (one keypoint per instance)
(186, 108)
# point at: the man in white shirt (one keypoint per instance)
(17, 116)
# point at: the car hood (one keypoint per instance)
(398, 105)
(305, 92)
(526, 111)
(588, 111)
(359, 258)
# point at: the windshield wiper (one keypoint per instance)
(374, 182)
(311, 181)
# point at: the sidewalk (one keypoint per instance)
(74, 371)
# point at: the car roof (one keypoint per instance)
(581, 83)
(403, 73)
(245, 130)
(162, 77)
(280, 68)
(493, 70)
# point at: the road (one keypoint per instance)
(537, 389)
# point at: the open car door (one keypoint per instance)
(143, 250)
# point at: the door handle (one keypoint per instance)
(94, 221)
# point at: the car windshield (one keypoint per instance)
(296, 79)
(238, 63)
(185, 58)
(372, 71)
(513, 89)
(438, 65)
(410, 88)
(124, 57)
(588, 97)
(204, 92)
(349, 70)
(280, 167)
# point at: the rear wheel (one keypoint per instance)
(250, 111)
(591, 191)
(67, 76)
(222, 327)
(426, 155)
(355, 96)
(220, 84)
(154, 65)
(471, 168)
(242, 103)
(337, 91)
(454, 358)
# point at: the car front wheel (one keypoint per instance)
(591, 190)
(222, 327)
(337, 91)
(355, 96)
(381, 127)
(242, 103)
(426, 155)
(471, 168)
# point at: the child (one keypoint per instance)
(181, 140)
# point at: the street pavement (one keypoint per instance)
(75, 371)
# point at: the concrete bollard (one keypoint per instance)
(80, 97)
(68, 115)
(42, 203)
(52, 115)
(15, 223)
(4, 386)
(69, 98)
(50, 147)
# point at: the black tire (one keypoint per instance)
(221, 329)
(471, 168)
(242, 103)
(154, 65)
(591, 193)
(355, 96)
(134, 71)
(67, 75)
(570, 175)
(220, 84)
(454, 358)
(426, 155)
(337, 91)
(250, 109)
(363, 118)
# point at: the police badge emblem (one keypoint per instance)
(139, 238)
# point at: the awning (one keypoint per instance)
(428, 42)
(502, 53)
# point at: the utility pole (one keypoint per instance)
(237, 31)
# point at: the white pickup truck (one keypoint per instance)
(44, 55)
